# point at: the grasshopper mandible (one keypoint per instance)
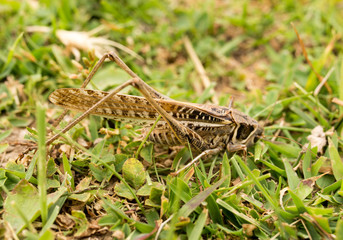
(208, 129)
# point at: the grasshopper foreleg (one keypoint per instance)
(204, 153)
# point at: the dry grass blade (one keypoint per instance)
(321, 84)
(320, 78)
(77, 40)
(199, 67)
(337, 101)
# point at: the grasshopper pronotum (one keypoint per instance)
(208, 128)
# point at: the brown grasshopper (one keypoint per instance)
(209, 129)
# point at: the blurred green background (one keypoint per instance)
(249, 50)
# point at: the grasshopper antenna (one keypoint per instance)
(231, 102)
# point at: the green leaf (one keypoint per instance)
(47, 235)
(83, 185)
(287, 149)
(81, 222)
(307, 162)
(226, 171)
(3, 177)
(304, 188)
(146, 153)
(121, 190)
(214, 210)
(336, 162)
(67, 170)
(192, 204)
(324, 223)
(181, 157)
(119, 161)
(146, 189)
(134, 172)
(51, 167)
(15, 176)
(5, 134)
(52, 183)
(241, 215)
(26, 198)
(6, 68)
(3, 147)
(298, 202)
(181, 189)
(304, 116)
(339, 229)
(199, 225)
(99, 172)
(317, 165)
(142, 227)
(155, 195)
(292, 177)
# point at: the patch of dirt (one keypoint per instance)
(17, 145)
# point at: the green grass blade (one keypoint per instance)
(292, 177)
(307, 162)
(241, 215)
(67, 170)
(6, 67)
(41, 129)
(192, 204)
(199, 225)
(336, 161)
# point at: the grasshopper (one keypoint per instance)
(209, 129)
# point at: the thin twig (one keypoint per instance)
(320, 78)
(162, 226)
(199, 67)
(277, 133)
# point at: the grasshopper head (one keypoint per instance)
(248, 135)
(248, 131)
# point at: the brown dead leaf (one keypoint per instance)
(117, 234)
(65, 149)
(248, 229)
(65, 222)
(16, 146)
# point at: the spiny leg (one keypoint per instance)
(113, 57)
(152, 92)
(184, 134)
(84, 85)
(86, 113)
